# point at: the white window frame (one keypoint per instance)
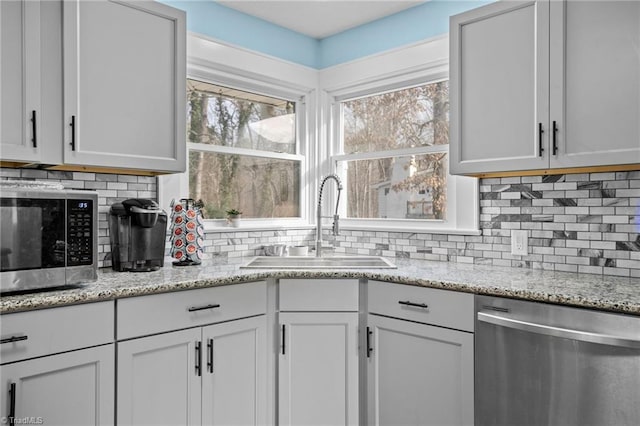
(201, 68)
(409, 72)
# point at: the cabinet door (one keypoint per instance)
(125, 85)
(157, 379)
(74, 388)
(318, 374)
(20, 80)
(234, 387)
(499, 87)
(419, 374)
(595, 82)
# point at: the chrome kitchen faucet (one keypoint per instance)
(319, 217)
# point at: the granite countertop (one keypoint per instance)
(609, 293)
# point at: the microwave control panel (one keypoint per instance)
(80, 232)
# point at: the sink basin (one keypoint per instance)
(329, 262)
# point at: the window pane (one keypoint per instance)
(411, 187)
(258, 187)
(406, 118)
(221, 116)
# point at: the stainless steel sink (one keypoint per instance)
(329, 262)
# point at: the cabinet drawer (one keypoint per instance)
(318, 295)
(54, 330)
(443, 308)
(158, 313)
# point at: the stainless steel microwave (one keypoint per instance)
(48, 236)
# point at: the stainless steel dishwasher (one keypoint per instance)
(542, 364)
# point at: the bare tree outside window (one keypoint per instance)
(402, 186)
(242, 150)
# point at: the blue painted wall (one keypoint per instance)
(406, 27)
(239, 29)
(403, 28)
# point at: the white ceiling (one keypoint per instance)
(319, 18)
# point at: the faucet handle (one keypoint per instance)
(336, 224)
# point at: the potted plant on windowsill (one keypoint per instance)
(233, 217)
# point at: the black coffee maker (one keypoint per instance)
(138, 230)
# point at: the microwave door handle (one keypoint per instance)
(567, 333)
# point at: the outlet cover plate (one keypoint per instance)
(519, 242)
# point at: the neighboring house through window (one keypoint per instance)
(395, 153)
(390, 130)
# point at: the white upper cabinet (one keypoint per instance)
(595, 82)
(545, 85)
(20, 108)
(499, 87)
(124, 85)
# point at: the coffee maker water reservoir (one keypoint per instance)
(138, 229)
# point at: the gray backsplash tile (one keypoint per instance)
(586, 223)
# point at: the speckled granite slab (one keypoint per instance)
(608, 293)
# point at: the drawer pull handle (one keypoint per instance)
(13, 339)
(417, 305)
(202, 308)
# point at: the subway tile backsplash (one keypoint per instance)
(586, 223)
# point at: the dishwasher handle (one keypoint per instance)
(567, 333)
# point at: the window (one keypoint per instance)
(382, 184)
(393, 156)
(242, 152)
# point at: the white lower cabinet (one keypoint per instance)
(234, 374)
(213, 375)
(58, 366)
(157, 381)
(419, 373)
(318, 369)
(194, 357)
(73, 388)
(206, 357)
(318, 361)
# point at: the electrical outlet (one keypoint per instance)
(519, 242)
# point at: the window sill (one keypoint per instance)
(222, 226)
(411, 229)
